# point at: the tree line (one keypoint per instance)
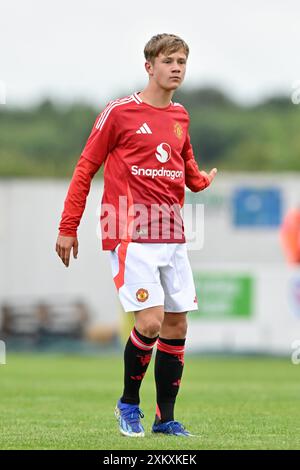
(46, 140)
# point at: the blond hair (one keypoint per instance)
(166, 44)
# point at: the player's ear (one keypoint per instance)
(149, 67)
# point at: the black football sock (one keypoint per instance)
(137, 356)
(168, 370)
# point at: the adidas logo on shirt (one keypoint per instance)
(144, 129)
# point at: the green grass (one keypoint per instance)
(66, 402)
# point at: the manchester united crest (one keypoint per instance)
(142, 295)
(178, 130)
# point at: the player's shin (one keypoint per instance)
(137, 355)
(169, 363)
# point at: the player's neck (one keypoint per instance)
(155, 96)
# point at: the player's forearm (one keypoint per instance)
(195, 180)
(76, 198)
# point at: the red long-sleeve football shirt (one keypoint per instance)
(148, 159)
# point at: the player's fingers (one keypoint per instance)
(75, 249)
(64, 255)
(212, 174)
(66, 258)
(58, 250)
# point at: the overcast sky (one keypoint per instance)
(92, 50)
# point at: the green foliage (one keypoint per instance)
(46, 141)
(264, 137)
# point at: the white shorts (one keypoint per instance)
(151, 274)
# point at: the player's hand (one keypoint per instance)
(64, 246)
(210, 176)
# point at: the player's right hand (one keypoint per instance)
(64, 246)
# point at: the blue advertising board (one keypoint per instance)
(257, 207)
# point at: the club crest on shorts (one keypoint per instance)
(142, 295)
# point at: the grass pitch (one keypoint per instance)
(67, 402)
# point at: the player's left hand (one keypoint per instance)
(209, 176)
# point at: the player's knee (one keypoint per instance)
(181, 328)
(150, 328)
(178, 326)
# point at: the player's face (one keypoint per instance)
(168, 70)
